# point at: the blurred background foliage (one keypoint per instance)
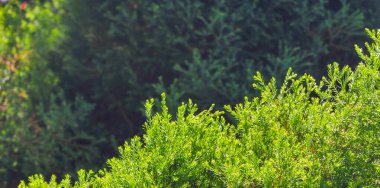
(75, 74)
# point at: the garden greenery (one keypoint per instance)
(75, 73)
(300, 133)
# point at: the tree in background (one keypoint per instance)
(118, 53)
(41, 131)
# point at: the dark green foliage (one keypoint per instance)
(302, 134)
(116, 51)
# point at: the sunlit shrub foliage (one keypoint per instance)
(299, 133)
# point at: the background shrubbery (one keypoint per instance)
(76, 73)
(118, 53)
(41, 131)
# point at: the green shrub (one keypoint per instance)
(116, 54)
(301, 134)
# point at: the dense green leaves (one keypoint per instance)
(302, 134)
(73, 73)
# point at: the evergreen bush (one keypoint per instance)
(301, 134)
